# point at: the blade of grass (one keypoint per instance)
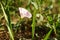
(54, 27)
(33, 24)
(7, 3)
(48, 34)
(8, 25)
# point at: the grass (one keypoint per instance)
(35, 6)
(47, 35)
(9, 26)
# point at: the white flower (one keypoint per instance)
(24, 13)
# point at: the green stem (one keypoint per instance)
(33, 24)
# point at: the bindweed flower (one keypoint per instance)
(24, 13)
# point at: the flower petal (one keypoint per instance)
(24, 13)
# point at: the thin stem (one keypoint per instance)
(33, 24)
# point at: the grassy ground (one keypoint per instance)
(44, 24)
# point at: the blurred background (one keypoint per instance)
(47, 15)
